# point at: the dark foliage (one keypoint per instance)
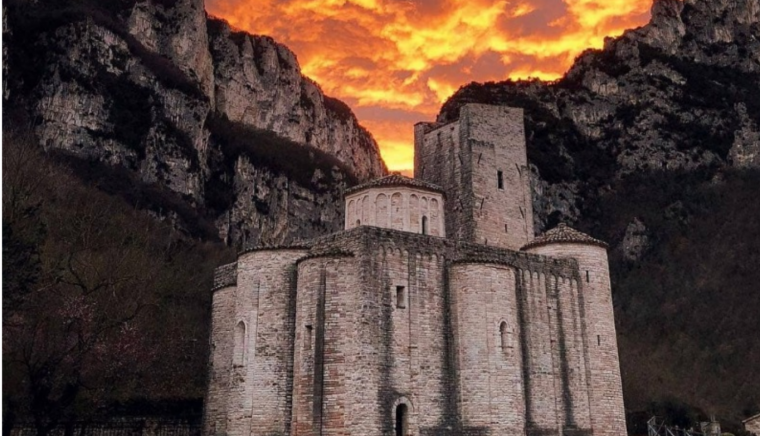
(546, 133)
(127, 291)
(28, 23)
(265, 148)
(711, 87)
(609, 63)
(686, 312)
(339, 109)
(122, 183)
(128, 112)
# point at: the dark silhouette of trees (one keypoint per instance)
(89, 293)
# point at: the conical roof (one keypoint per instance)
(563, 234)
(396, 179)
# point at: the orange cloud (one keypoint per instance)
(395, 61)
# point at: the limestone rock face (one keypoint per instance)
(176, 30)
(133, 85)
(259, 82)
(679, 94)
(287, 212)
(636, 240)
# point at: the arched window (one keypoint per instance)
(505, 333)
(424, 225)
(402, 420)
(358, 223)
(238, 353)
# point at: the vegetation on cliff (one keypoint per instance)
(654, 142)
(102, 303)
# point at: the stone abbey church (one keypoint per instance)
(435, 312)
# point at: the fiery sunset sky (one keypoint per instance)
(396, 61)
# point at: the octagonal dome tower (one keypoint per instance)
(397, 202)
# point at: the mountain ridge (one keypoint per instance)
(134, 84)
(652, 143)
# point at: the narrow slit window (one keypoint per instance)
(598, 340)
(506, 228)
(308, 339)
(424, 225)
(587, 277)
(401, 297)
(500, 179)
(238, 355)
(505, 333)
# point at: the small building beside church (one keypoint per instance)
(752, 424)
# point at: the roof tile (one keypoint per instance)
(395, 179)
(563, 234)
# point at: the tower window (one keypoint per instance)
(505, 333)
(587, 277)
(358, 223)
(599, 340)
(238, 355)
(500, 179)
(424, 225)
(307, 340)
(506, 228)
(401, 297)
(402, 425)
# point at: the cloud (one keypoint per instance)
(395, 61)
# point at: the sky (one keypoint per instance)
(395, 62)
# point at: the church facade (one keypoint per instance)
(435, 312)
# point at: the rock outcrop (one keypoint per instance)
(134, 85)
(681, 93)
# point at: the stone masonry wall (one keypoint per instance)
(439, 159)
(753, 426)
(398, 208)
(473, 340)
(467, 158)
(571, 356)
(327, 356)
(220, 361)
(541, 396)
(595, 300)
(410, 314)
(486, 332)
(261, 374)
(495, 136)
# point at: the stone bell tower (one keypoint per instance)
(480, 161)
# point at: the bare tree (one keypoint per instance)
(92, 284)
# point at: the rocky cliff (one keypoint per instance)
(138, 84)
(653, 144)
(682, 92)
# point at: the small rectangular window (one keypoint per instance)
(587, 277)
(506, 228)
(308, 338)
(500, 178)
(598, 340)
(401, 297)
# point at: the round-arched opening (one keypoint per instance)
(506, 336)
(424, 225)
(402, 419)
(503, 331)
(238, 353)
(358, 223)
